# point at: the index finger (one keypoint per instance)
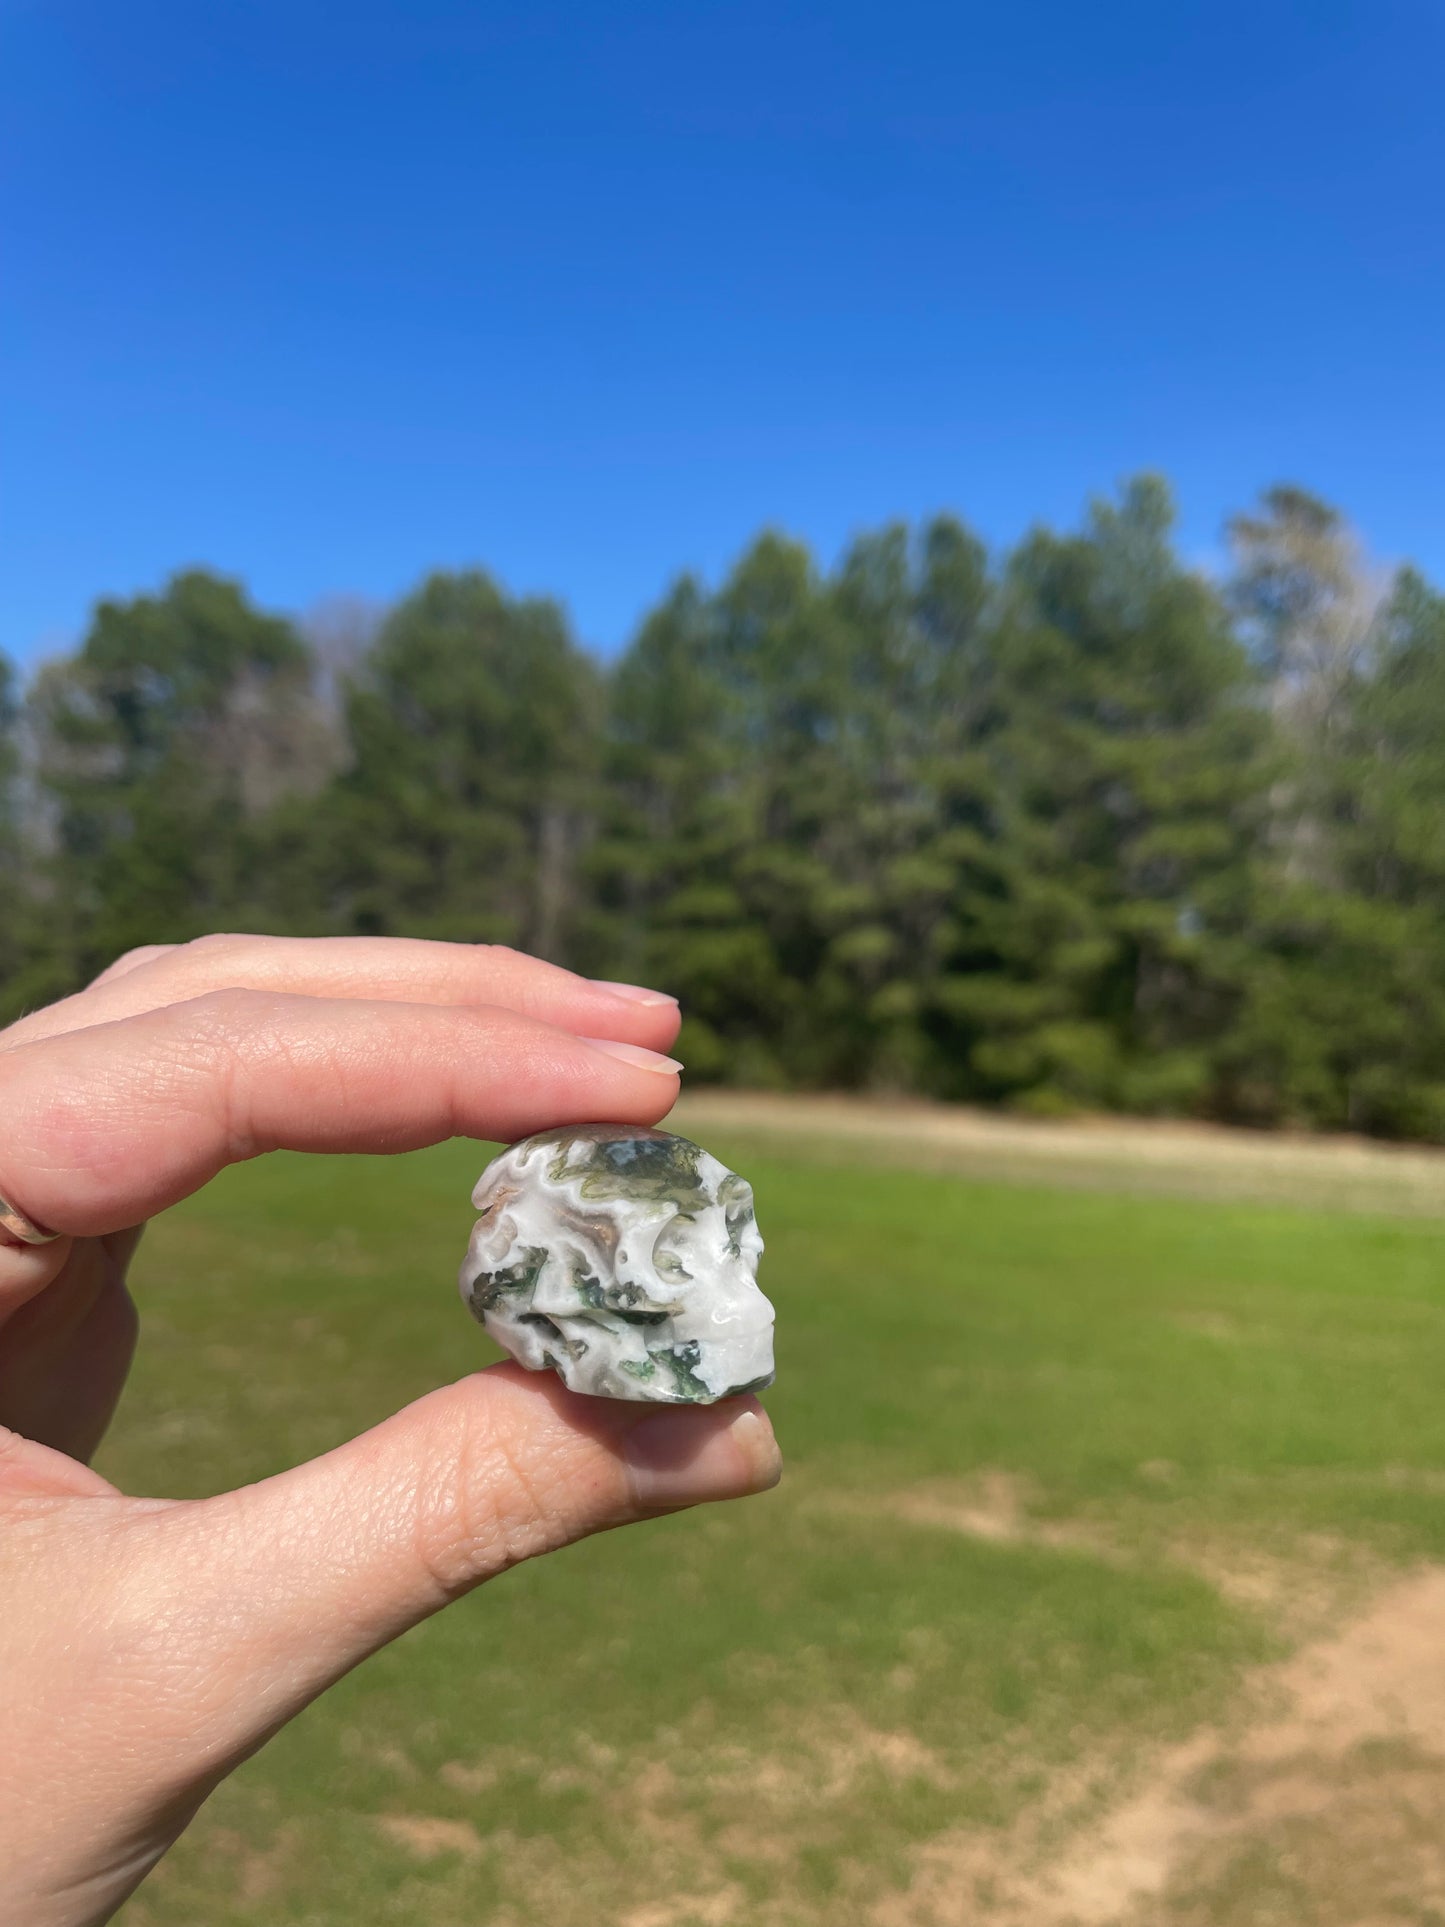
(408, 970)
(107, 1125)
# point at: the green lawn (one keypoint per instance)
(762, 1713)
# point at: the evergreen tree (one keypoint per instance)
(678, 817)
(179, 723)
(775, 748)
(473, 729)
(1099, 913)
(1345, 1023)
(915, 685)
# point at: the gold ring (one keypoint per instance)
(17, 1225)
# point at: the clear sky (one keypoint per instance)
(323, 294)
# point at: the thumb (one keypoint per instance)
(273, 1592)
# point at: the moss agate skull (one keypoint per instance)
(626, 1261)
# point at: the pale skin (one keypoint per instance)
(149, 1645)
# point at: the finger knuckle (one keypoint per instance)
(143, 953)
(214, 1041)
(226, 1009)
(214, 940)
(488, 1508)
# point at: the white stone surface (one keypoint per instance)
(625, 1260)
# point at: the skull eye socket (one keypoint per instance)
(669, 1265)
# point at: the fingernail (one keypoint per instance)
(675, 1458)
(634, 993)
(634, 1054)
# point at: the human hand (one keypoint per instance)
(147, 1646)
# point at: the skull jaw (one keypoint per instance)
(653, 1364)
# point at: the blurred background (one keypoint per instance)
(916, 530)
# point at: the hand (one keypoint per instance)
(148, 1645)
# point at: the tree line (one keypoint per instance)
(1075, 827)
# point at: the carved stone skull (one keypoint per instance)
(625, 1260)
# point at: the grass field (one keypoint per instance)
(1102, 1585)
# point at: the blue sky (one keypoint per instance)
(325, 294)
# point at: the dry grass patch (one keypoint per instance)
(428, 1835)
(1148, 1155)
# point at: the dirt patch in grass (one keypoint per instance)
(993, 1506)
(428, 1835)
(1350, 1844)
(1324, 1802)
(1302, 1588)
(832, 1756)
(1132, 1154)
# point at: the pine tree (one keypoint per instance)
(473, 727)
(161, 743)
(1100, 906)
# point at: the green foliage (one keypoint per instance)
(473, 733)
(1079, 829)
(161, 745)
(1126, 773)
(1345, 1021)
